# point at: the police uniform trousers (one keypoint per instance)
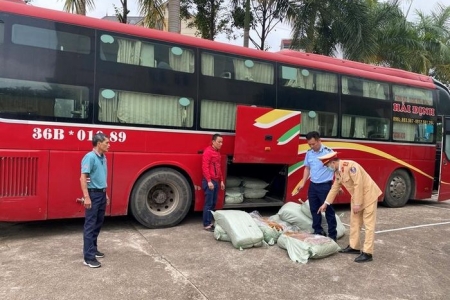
(367, 216)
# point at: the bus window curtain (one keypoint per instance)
(359, 127)
(301, 81)
(326, 82)
(129, 52)
(335, 121)
(261, 73)
(373, 90)
(218, 115)
(149, 109)
(308, 123)
(107, 109)
(147, 57)
(183, 62)
(345, 86)
(207, 64)
(411, 95)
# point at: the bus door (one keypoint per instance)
(444, 176)
(266, 135)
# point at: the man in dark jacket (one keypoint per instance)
(212, 176)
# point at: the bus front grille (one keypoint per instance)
(18, 176)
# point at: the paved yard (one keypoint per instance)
(43, 260)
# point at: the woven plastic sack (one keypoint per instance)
(291, 212)
(340, 228)
(233, 181)
(254, 193)
(232, 197)
(297, 254)
(254, 183)
(302, 244)
(271, 230)
(240, 227)
(220, 234)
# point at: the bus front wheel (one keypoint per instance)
(161, 198)
(398, 189)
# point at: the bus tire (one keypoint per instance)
(161, 198)
(398, 189)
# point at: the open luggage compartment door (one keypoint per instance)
(266, 135)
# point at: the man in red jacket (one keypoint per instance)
(212, 176)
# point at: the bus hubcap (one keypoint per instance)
(162, 199)
(159, 197)
(398, 187)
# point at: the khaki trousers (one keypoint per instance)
(367, 216)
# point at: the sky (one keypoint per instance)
(282, 31)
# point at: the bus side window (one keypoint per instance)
(218, 115)
(109, 51)
(2, 32)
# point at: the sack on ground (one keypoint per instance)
(340, 228)
(271, 230)
(303, 245)
(291, 212)
(240, 227)
(220, 234)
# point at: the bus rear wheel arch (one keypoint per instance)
(161, 198)
(398, 189)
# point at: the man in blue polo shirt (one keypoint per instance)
(93, 184)
(321, 181)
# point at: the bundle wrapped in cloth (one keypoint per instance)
(303, 245)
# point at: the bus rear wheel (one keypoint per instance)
(398, 189)
(161, 198)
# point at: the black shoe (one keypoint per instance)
(349, 250)
(99, 254)
(92, 263)
(363, 257)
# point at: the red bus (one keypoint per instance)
(160, 97)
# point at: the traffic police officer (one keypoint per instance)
(364, 192)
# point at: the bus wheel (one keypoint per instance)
(161, 198)
(398, 189)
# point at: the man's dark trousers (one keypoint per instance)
(93, 222)
(317, 194)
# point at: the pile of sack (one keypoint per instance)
(238, 188)
(290, 229)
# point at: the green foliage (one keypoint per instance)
(375, 32)
(210, 17)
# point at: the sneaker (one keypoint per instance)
(99, 254)
(92, 263)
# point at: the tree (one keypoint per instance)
(434, 33)
(122, 13)
(320, 26)
(210, 17)
(259, 15)
(174, 16)
(78, 6)
(153, 13)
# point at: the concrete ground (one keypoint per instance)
(43, 260)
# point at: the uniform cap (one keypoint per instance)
(327, 157)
